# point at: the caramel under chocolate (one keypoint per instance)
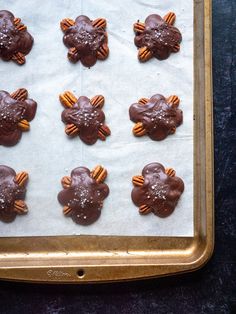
(158, 192)
(12, 193)
(86, 40)
(85, 118)
(16, 110)
(158, 116)
(158, 36)
(15, 41)
(83, 195)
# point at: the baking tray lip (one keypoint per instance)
(61, 275)
(196, 251)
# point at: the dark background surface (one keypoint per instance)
(209, 290)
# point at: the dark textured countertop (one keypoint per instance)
(209, 290)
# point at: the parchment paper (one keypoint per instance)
(47, 153)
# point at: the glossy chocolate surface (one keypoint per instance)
(159, 191)
(158, 117)
(85, 196)
(86, 117)
(86, 39)
(12, 40)
(10, 191)
(12, 111)
(158, 36)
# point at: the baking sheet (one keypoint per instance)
(46, 152)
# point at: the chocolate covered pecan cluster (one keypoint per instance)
(157, 37)
(86, 39)
(12, 193)
(83, 194)
(16, 110)
(157, 190)
(15, 41)
(84, 117)
(157, 117)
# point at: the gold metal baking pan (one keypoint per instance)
(71, 259)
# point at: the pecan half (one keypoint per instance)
(66, 210)
(173, 130)
(19, 58)
(143, 101)
(21, 178)
(170, 18)
(20, 94)
(103, 132)
(139, 27)
(99, 23)
(170, 172)
(145, 210)
(173, 101)
(103, 52)
(20, 207)
(67, 99)
(66, 182)
(99, 174)
(73, 55)
(24, 125)
(144, 54)
(71, 130)
(17, 20)
(66, 23)
(138, 129)
(21, 27)
(176, 48)
(138, 180)
(98, 101)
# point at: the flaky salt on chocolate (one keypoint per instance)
(157, 190)
(156, 117)
(86, 39)
(83, 194)
(15, 41)
(84, 117)
(16, 110)
(157, 37)
(12, 193)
